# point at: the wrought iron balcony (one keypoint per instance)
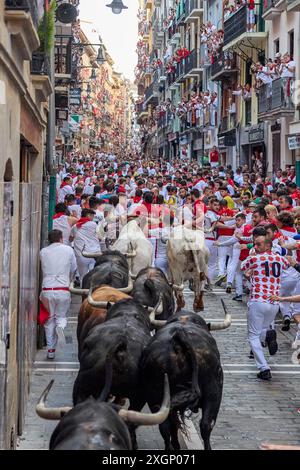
(192, 63)
(228, 122)
(171, 77)
(193, 9)
(151, 93)
(276, 98)
(181, 12)
(223, 67)
(236, 25)
(270, 10)
(30, 6)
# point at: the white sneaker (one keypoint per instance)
(61, 339)
(51, 354)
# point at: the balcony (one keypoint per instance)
(173, 32)
(192, 64)
(193, 10)
(235, 31)
(223, 67)
(151, 94)
(180, 12)
(21, 17)
(164, 122)
(270, 11)
(275, 99)
(293, 5)
(28, 6)
(171, 77)
(227, 123)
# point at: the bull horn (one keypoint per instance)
(98, 304)
(127, 289)
(76, 291)
(175, 287)
(157, 310)
(147, 418)
(225, 324)
(50, 413)
(132, 254)
(86, 254)
(133, 277)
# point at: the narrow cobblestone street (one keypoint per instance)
(252, 411)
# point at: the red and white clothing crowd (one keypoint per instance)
(250, 224)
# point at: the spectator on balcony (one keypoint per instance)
(287, 73)
(251, 16)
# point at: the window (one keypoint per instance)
(291, 43)
(276, 46)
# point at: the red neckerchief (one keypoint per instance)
(63, 184)
(289, 229)
(82, 221)
(277, 235)
(148, 206)
(58, 215)
(137, 199)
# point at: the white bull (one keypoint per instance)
(132, 240)
(188, 259)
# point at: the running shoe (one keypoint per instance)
(220, 280)
(264, 374)
(228, 288)
(271, 342)
(238, 298)
(286, 323)
(251, 355)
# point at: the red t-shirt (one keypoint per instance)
(214, 157)
(226, 231)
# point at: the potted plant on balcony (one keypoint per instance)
(46, 33)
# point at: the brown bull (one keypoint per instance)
(90, 316)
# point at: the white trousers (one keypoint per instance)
(233, 263)
(153, 243)
(84, 265)
(261, 316)
(223, 252)
(162, 263)
(213, 256)
(57, 303)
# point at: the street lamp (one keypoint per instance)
(117, 6)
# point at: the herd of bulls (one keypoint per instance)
(132, 344)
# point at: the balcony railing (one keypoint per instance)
(181, 12)
(223, 64)
(31, 6)
(192, 6)
(192, 61)
(171, 77)
(164, 121)
(275, 96)
(228, 122)
(236, 25)
(267, 4)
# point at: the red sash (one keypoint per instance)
(82, 221)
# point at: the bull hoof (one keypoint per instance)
(198, 308)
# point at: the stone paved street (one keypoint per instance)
(252, 411)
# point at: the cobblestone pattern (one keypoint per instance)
(252, 411)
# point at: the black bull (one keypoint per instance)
(186, 351)
(111, 352)
(150, 284)
(95, 425)
(111, 269)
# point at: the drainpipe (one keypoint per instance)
(297, 167)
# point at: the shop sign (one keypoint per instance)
(221, 141)
(256, 134)
(75, 97)
(294, 142)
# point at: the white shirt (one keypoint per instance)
(58, 263)
(209, 219)
(285, 72)
(86, 237)
(64, 191)
(62, 223)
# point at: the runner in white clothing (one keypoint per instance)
(64, 222)
(58, 265)
(85, 236)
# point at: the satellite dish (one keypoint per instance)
(66, 13)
